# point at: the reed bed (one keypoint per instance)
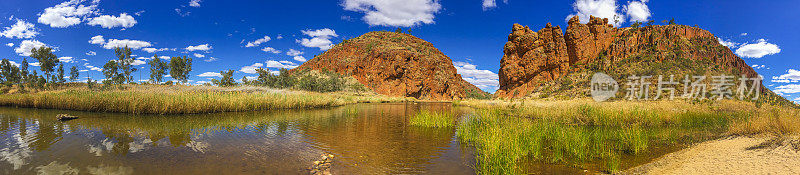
(181, 100)
(583, 132)
(426, 118)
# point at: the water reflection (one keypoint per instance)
(366, 139)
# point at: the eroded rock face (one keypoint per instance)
(531, 58)
(395, 64)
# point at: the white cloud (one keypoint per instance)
(94, 68)
(489, 4)
(137, 62)
(728, 43)
(199, 55)
(397, 13)
(113, 43)
(65, 59)
(106, 21)
(271, 50)
(194, 3)
(743, 34)
(251, 69)
(299, 58)
(24, 48)
(152, 50)
(10, 44)
(203, 47)
(320, 38)
(36, 64)
(758, 50)
(281, 64)
(483, 79)
(598, 8)
(258, 41)
(210, 74)
(293, 52)
(164, 57)
(791, 76)
(211, 59)
(20, 30)
(91, 53)
(788, 89)
(97, 40)
(67, 13)
(14, 63)
(756, 66)
(637, 11)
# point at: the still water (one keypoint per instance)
(364, 138)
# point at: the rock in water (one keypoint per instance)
(65, 117)
(395, 64)
(323, 166)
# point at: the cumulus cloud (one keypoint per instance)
(395, 13)
(194, 3)
(24, 48)
(153, 50)
(791, 76)
(258, 41)
(489, 4)
(271, 50)
(90, 67)
(65, 59)
(106, 21)
(211, 59)
(14, 63)
(20, 30)
(281, 64)
(483, 79)
(67, 13)
(319, 38)
(788, 89)
(598, 8)
(210, 74)
(728, 43)
(113, 43)
(137, 62)
(757, 50)
(293, 52)
(10, 44)
(756, 66)
(91, 53)
(35, 64)
(203, 47)
(199, 55)
(638, 11)
(251, 69)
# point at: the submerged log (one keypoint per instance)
(65, 117)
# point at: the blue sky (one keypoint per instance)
(286, 33)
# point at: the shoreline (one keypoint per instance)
(731, 155)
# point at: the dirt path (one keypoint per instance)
(735, 155)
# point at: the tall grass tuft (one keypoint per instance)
(426, 118)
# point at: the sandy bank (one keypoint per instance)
(733, 155)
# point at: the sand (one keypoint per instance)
(733, 155)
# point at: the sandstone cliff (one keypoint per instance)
(533, 61)
(396, 64)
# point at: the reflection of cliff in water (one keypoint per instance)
(365, 138)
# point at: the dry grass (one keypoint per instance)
(148, 99)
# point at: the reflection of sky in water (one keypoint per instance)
(16, 148)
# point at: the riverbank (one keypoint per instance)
(160, 99)
(733, 155)
(607, 137)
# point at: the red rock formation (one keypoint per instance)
(531, 58)
(395, 64)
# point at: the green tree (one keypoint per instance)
(23, 68)
(9, 74)
(124, 60)
(264, 77)
(73, 74)
(180, 68)
(47, 60)
(245, 81)
(399, 30)
(672, 21)
(158, 69)
(111, 72)
(226, 80)
(60, 74)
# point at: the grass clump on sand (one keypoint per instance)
(426, 118)
(591, 135)
(141, 99)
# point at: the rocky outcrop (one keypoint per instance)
(395, 64)
(532, 58)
